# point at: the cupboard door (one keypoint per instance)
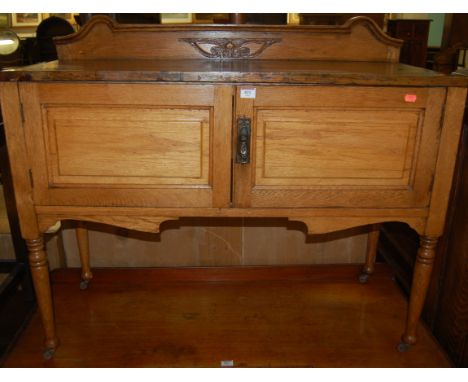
(129, 144)
(338, 146)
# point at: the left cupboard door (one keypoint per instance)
(142, 145)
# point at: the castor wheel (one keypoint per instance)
(48, 354)
(403, 347)
(363, 278)
(84, 284)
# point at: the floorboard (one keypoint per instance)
(311, 316)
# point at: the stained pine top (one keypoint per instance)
(238, 71)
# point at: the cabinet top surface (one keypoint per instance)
(236, 71)
(355, 53)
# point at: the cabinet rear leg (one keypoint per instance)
(421, 278)
(372, 242)
(40, 276)
(83, 248)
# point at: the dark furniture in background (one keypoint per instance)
(414, 33)
(267, 18)
(123, 18)
(48, 29)
(221, 18)
(454, 40)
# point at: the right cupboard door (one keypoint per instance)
(331, 146)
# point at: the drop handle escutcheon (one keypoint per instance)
(243, 140)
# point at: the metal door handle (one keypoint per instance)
(243, 140)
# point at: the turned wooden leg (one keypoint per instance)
(83, 248)
(40, 275)
(372, 241)
(420, 284)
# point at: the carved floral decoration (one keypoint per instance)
(230, 48)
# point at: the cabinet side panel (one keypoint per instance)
(449, 140)
(19, 159)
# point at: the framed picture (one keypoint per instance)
(25, 19)
(4, 20)
(176, 18)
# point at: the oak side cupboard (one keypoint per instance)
(137, 124)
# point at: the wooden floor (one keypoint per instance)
(317, 316)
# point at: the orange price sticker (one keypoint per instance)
(410, 98)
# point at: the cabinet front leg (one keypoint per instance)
(371, 253)
(83, 248)
(421, 278)
(40, 275)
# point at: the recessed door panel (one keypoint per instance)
(122, 145)
(315, 146)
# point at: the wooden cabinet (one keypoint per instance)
(133, 126)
